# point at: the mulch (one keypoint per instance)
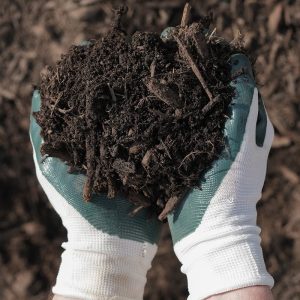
(140, 117)
(35, 33)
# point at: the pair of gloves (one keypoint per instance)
(214, 231)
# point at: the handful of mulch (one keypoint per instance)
(140, 116)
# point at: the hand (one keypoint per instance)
(214, 229)
(108, 252)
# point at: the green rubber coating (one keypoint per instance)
(261, 124)
(167, 34)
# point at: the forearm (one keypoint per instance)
(56, 297)
(249, 293)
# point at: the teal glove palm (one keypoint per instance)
(104, 243)
(214, 230)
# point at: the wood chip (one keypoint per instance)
(163, 92)
(123, 167)
(135, 149)
(193, 65)
(146, 158)
(281, 142)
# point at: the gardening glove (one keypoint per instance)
(108, 253)
(214, 229)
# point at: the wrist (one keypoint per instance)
(223, 262)
(261, 292)
(119, 272)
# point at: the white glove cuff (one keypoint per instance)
(92, 275)
(224, 264)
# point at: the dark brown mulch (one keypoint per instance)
(35, 33)
(136, 115)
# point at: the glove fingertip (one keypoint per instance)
(240, 65)
(36, 101)
(34, 129)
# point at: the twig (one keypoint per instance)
(170, 205)
(193, 65)
(43, 158)
(136, 210)
(55, 104)
(207, 108)
(152, 68)
(212, 34)
(64, 111)
(87, 190)
(187, 156)
(166, 149)
(125, 91)
(185, 15)
(111, 191)
(112, 92)
(137, 199)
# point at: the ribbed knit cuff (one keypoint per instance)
(92, 275)
(222, 265)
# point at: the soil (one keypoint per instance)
(139, 116)
(35, 33)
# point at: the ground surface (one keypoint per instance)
(35, 33)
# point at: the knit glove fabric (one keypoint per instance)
(108, 253)
(214, 230)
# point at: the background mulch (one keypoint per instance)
(34, 33)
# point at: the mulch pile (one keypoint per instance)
(138, 116)
(35, 33)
